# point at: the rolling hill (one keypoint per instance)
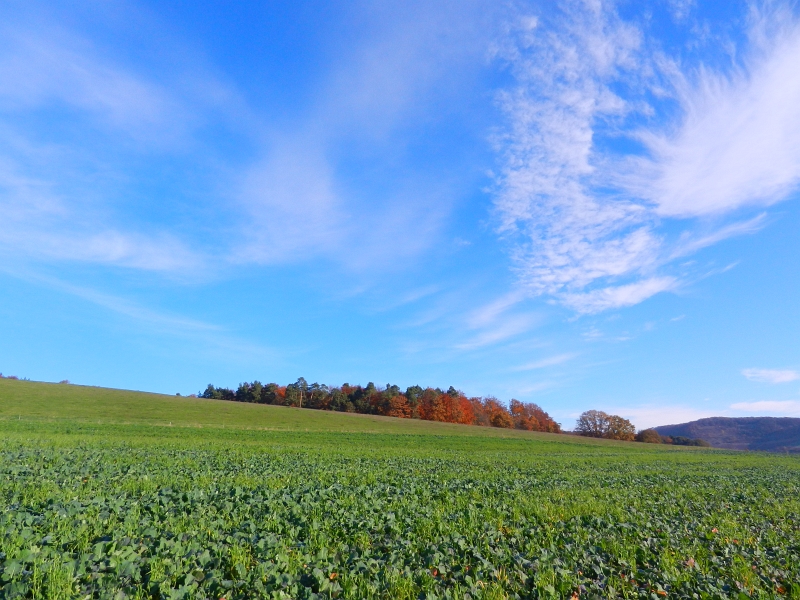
(112, 493)
(772, 434)
(39, 402)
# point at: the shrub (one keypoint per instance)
(679, 440)
(648, 436)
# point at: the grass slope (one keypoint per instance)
(99, 499)
(27, 400)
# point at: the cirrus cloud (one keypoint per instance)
(771, 375)
(780, 408)
(619, 157)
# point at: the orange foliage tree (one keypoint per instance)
(530, 416)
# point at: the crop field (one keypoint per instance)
(143, 510)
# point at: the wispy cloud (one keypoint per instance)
(690, 242)
(550, 361)
(84, 127)
(780, 408)
(618, 296)
(668, 414)
(497, 321)
(114, 303)
(771, 375)
(564, 67)
(206, 336)
(587, 216)
(302, 200)
(738, 142)
(71, 118)
(51, 67)
(489, 313)
(672, 414)
(504, 328)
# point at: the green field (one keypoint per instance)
(112, 494)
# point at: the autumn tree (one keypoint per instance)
(502, 419)
(396, 406)
(596, 423)
(592, 423)
(497, 414)
(280, 395)
(432, 405)
(455, 407)
(530, 416)
(269, 394)
(522, 416)
(620, 428)
(466, 412)
(480, 416)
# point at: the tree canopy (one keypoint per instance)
(596, 423)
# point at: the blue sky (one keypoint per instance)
(589, 206)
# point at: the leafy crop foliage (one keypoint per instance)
(140, 511)
(429, 404)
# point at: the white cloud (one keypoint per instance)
(779, 408)
(689, 243)
(739, 140)
(290, 194)
(645, 417)
(299, 201)
(573, 238)
(550, 361)
(497, 321)
(771, 375)
(50, 67)
(70, 116)
(653, 416)
(680, 8)
(587, 220)
(488, 314)
(205, 337)
(500, 330)
(618, 296)
(42, 224)
(293, 207)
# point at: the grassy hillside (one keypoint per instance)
(101, 498)
(27, 400)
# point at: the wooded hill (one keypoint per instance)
(773, 434)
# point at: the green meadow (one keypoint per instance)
(115, 494)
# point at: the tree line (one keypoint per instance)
(435, 404)
(430, 404)
(596, 423)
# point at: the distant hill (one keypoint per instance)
(772, 434)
